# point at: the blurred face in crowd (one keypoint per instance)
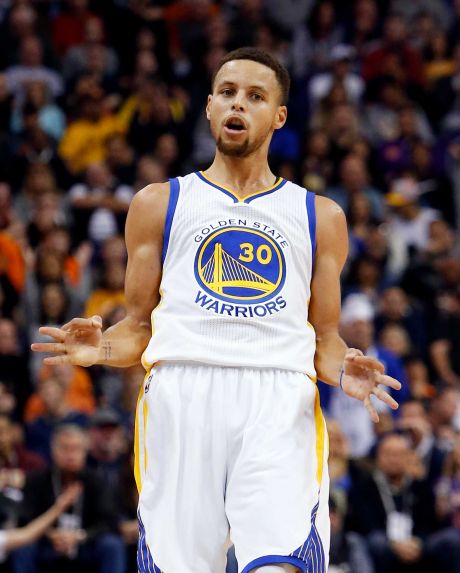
(31, 52)
(167, 149)
(353, 174)
(8, 337)
(366, 14)
(58, 240)
(50, 266)
(69, 451)
(414, 420)
(358, 333)
(53, 301)
(244, 108)
(444, 406)
(115, 276)
(107, 441)
(395, 30)
(52, 393)
(6, 435)
(98, 175)
(392, 456)
(338, 446)
(395, 339)
(393, 303)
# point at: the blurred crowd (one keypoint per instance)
(100, 98)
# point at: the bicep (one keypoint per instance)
(331, 254)
(144, 242)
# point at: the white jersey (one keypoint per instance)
(236, 277)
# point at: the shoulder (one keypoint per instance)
(147, 214)
(329, 215)
(151, 198)
(326, 208)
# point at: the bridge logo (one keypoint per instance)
(240, 264)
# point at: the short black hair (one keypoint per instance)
(264, 58)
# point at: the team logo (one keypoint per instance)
(242, 265)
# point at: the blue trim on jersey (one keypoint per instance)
(269, 559)
(278, 186)
(233, 197)
(311, 211)
(174, 189)
(145, 562)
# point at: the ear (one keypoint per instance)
(280, 117)
(208, 107)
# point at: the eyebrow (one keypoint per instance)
(233, 84)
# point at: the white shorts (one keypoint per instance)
(237, 453)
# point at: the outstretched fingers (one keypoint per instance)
(369, 362)
(83, 323)
(386, 398)
(54, 347)
(371, 409)
(60, 359)
(389, 381)
(56, 333)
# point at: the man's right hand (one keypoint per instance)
(78, 342)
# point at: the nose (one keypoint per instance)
(238, 102)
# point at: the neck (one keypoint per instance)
(244, 175)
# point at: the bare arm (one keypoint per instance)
(361, 375)
(35, 529)
(81, 340)
(324, 309)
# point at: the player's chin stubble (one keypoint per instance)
(234, 150)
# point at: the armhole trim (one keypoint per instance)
(311, 212)
(174, 188)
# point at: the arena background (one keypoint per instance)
(100, 98)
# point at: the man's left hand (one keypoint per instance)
(362, 377)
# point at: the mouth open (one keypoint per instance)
(234, 125)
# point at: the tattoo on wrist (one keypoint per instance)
(107, 346)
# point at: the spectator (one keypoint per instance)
(355, 181)
(78, 58)
(445, 344)
(120, 159)
(341, 60)
(31, 68)
(396, 513)
(57, 413)
(100, 204)
(50, 117)
(77, 383)
(12, 539)
(14, 370)
(68, 27)
(324, 32)
(443, 417)
(84, 534)
(363, 26)
(396, 308)
(393, 56)
(348, 551)
(410, 222)
(107, 446)
(84, 139)
(415, 424)
(16, 462)
(448, 488)
(103, 300)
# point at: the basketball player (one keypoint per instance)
(239, 270)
